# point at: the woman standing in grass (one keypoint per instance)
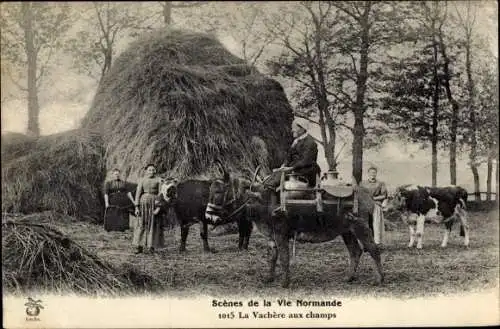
(378, 191)
(148, 231)
(118, 200)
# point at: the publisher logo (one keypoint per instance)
(33, 308)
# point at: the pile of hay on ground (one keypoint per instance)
(62, 172)
(36, 257)
(182, 101)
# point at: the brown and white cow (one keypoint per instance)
(435, 204)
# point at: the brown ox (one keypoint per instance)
(306, 226)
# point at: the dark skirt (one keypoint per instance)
(116, 219)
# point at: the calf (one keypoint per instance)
(439, 205)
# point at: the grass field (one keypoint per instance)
(319, 270)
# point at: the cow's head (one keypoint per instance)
(168, 190)
(413, 198)
(227, 198)
(397, 200)
(217, 201)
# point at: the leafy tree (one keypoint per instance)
(477, 115)
(32, 33)
(445, 42)
(370, 27)
(335, 81)
(411, 105)
(306, 58)
(419, 86)
(243, 22)
(246, 25)
(487, 115)
(434, 17)
(105, 25)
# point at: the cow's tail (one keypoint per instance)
(462, 203)
(464, 207)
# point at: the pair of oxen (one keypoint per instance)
(245, 201)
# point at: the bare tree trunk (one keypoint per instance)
(453, 146)
(33, 105)
(475, 175)
(327, 121)
(330, 139)
(454, 114)
(357, 147)
(489, 175)
(435, 112)
(446, 82)
(324, 105)
(497, 153)
(497, 179)
(473, 121)
(108, 60)
(473, 165)
(434, 141)
(167, 13)
(330, 149)
(330, 155)
(359, 106)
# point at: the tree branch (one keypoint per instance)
(18, 85)
(303, 82)
(346, 95)
(303, 116)
(357, 10)
(340, 7)
(259, 53)
(43, 67)
(113, 35)
(344, 125)
(343, 101)
(99, 18)
(327, 11)
(354, 65)
(189, 4)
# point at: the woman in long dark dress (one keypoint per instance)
(118, 200)
(148, 231)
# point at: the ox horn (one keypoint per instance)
(225, 174)
(255, 175)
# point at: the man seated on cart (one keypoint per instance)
(301, 158)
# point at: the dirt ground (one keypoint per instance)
(320, 269)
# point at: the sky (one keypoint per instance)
(69, 97)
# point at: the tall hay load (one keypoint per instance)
(61, 172)
(182, 101)
(14, 145)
